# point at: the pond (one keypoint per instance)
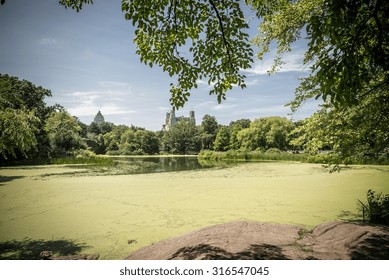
(158, 164)
(100, 214)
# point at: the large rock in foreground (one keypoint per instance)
(261, 241)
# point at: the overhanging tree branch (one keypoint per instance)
(226, 44)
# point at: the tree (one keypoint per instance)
(139, 142)
(348, 43)
(63, 132)
(356, 134)
(192, 40)
(235, 127)
(95, 143)
(208, 131)
(222, 141)
(266, 133)
(23, 103)
(17, 132)
(148, 141)
(22, 94)
(112, 139)
(182, 138)
(127, 142)
(100, 128)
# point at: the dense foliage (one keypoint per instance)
(22, 117)
(348, 44)
(357, 134)
(30, 129)
(182, 138)
(376, 208)
(18, 129)
(347, 51)
(63, 132)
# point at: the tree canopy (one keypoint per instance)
(347, 51)
(63, 132)
(22, 115)
(17, 132)
(358, 134)
(348, 43)
(182, 138)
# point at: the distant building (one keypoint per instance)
(171, 119)
(99, 118)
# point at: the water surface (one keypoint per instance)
(154, 164)
(100, 214)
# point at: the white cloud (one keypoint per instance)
(222, 106)
(164, 109)
(88, 103)
(47, 41)
(293, 62)
(110, 84)
(269, 110)
(252, 83)
(83, 110)
(113, 109)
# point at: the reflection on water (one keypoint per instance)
(146, 164)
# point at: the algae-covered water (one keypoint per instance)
(116, 214)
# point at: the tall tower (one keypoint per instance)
(192, 117)
(99, 118)
(167, 118)
(172, 120)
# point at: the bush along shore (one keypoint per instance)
(235, 155)
(326, 157)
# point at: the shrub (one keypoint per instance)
(376, 208)
(83, 153)
(273, 151)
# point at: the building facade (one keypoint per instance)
(171, 119)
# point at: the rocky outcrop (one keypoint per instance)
(244, 240)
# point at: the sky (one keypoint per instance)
(88, 60)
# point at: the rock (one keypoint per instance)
(244, 240)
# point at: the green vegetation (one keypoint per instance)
(63, 133)
(182, 138)
(376, 208)
(23, 114)
(208, 130)
(347, 51)
(357, 134)
(232, 155)
(347, 44)
(17, 132)
(93, 161)
(31, 130)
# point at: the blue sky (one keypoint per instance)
(88, 61)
